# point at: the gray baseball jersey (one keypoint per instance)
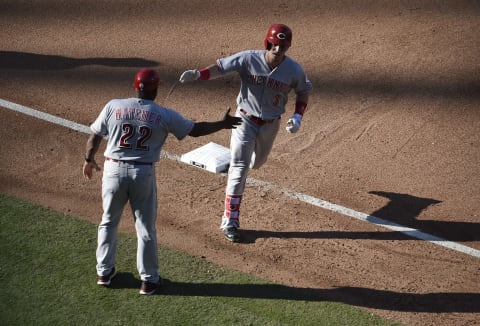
(264, 92)
(137, 128)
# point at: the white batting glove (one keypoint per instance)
(293, 124)
(190, 75)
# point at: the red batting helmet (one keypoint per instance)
(146, 79)
(278, 34)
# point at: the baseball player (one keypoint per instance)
(136, 129)
(267, 77)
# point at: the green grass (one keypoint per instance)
(47, 275)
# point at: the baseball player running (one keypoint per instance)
(267, 77)
(136, 129)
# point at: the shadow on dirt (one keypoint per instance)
(327, 86)
(360, 297)
(402, 209)
(33, 61)
(250, 236)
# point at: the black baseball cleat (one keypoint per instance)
(232, 234)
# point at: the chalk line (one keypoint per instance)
(414, 233)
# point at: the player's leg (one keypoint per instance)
(143, 201)
(242, 144)
(114, 198)
(264, 143)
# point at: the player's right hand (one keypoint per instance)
(293, 124)
(189, 75)
(88, 169)
(231, 122)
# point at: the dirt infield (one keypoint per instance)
(392, 131)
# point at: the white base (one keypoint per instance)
(211, 157)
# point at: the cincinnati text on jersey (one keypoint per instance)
(268, 82)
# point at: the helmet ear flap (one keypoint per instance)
(267, 45)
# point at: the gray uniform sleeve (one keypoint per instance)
(178, 125)
(100, 125)
(233, 63)
(303, 84)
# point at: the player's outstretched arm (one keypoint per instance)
(210, 72)
(207, 128)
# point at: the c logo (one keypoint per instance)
(281, 36)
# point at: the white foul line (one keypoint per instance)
(44, 116)
(414, 233)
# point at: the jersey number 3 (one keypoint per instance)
(128, 132)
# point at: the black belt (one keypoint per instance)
(257, 120)
(130, 162)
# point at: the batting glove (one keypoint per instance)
(293, 124)
(189, 75)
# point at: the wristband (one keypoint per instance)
(204, 74)
(300, 107)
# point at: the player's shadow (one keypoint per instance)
(251, 236)
(402, 209)
(361, 297)
(34, 61)
(377, 299)
(125, 280)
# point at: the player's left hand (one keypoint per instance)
(293, 124)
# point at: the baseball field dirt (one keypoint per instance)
(392, 131)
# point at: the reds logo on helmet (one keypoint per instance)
(146, 79)
(278, 34)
